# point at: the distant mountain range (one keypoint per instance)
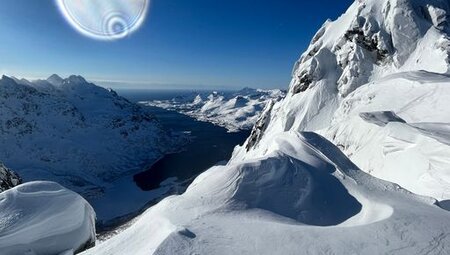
(233, 110)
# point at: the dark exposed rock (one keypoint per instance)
(370, 44)
(8, 179)
(303, 84)
(260, 127)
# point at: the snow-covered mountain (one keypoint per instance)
(75, 133)
(376, 83)
(233, 110)
(8, 178)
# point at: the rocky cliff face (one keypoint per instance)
(8, 179)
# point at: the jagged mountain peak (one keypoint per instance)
(55, 80)
(7, 79)
(76, 79)
(380, 57)
(371, 40)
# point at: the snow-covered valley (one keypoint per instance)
(233, 110)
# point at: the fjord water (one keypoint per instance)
(210, 144)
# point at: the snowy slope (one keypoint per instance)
(44, 218)
(301, 197)
(403, 141)
(77, 134)
(380, 56)
(234, 111)
(8, 179)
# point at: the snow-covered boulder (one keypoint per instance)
(8, 178)
(44, 218)
(233, 110)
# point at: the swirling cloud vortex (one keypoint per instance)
(104, 19)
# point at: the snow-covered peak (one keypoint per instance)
(5, 80)
(386, 57)
(374, 38)
(75, 79)
(371, 40)
(55, 80)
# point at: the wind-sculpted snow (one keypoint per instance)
(234, 111)
(44, 218)
(410, 144)
(76, 133)
(303, 196)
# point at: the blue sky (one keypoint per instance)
(182, 44)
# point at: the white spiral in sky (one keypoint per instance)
(104, 19)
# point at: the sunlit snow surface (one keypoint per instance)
(104, 20)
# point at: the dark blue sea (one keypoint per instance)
(210, 144)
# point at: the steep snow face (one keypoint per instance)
(301, 195)
(352, 63)
(398, 129)
(75, 133)
(234, 111)
(8, 178)
(44, 218)
(372, 39)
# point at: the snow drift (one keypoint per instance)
(302, 196)
(44, 218)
